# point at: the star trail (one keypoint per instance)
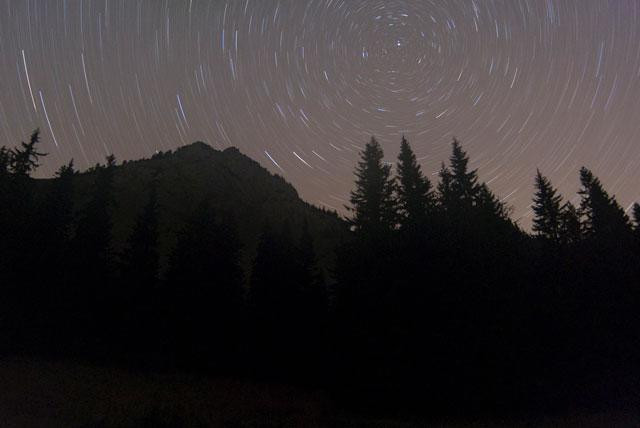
(301, 85)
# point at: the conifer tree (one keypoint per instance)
(204, 283)
(636, 217)
(445, 191)
(93, 234)
(56, 220)
(91, 311)
(50, 294)
(570, 226)
(602, 216)
(464, 183)
(488, 205)
(415, 197)
(275, 300)
(312, 286)
(19, 237)
(372, 202)
(546, 209)
(24, 159)
(140, 259)
(313, 305)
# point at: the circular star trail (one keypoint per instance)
(301, 85)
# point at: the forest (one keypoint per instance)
(428, 297)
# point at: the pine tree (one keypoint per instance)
(546, 209)
(93, 235)
(50, 295)
(312, 284)
(19, 235)
(313, 305)
(602, 216)
(372, 201)
(415, 197)
(140, 259)
(570, 226)
(445, 191)
(24, 159)
(91, 285)
(274, 300)
(204, 288)
(636, 218)
(464, 183)
(489, 206)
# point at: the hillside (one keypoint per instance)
(238, 187)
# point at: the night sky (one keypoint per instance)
(301, 85)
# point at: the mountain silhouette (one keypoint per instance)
(239, 189)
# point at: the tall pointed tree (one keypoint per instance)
(204, 285)
(140, 259)
(602, 215)
(546, 209)
(464, 183)
(24, 159)
(444, 189)
(91, 312)
(372, 201)
(93, 235)
(570, 226)
(415, 197)
(488, 205)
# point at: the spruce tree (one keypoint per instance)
(24, 159)
(275, 300)
(636, 219)
(415, 197)
(445, 191)
(50, 296)
(204, 288)
(488, 206)
(19, 235)
(140, 259)
(93, 239)
(570, 226)
(91, 311)
(546, 209)
(602, 216)
(372, 202)
(464, 183)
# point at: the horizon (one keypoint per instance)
(523, 86)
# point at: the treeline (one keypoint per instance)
(437, 298)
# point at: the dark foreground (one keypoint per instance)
(37, 393)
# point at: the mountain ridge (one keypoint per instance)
(238, 187)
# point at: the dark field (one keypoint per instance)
(63, 394)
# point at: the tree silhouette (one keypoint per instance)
(372, 201)
(24, 158)
(204, 289)
(54, 229)
(94, 262)
(464, 183)
(457, 307)
(415, 197)
(603, 217)
(274, 300)
(19, 240)
(546, 209)
(138, 288)
(489, 206)
(570, 226)
(140, 259)
(636, 220)
(445, 194)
